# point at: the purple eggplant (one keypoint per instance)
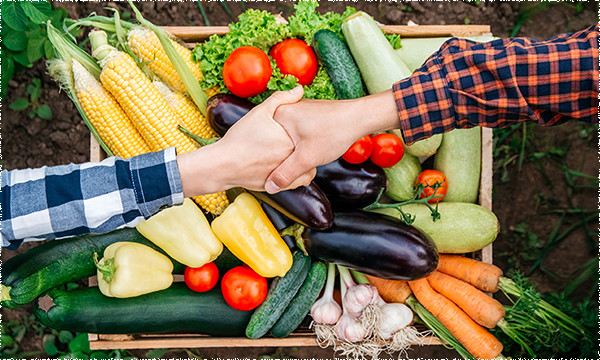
(371, 243)
(350, 186)
(306, 205)
(280, 222)
(224, 110)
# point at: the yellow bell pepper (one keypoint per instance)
(183, 233)
(131, 269)
(247, 232)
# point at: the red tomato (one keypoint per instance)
(247, 71)
(387, 150)
(202, 278)
(295, 57)
(360, 151)
(430, 177)
(243, 289)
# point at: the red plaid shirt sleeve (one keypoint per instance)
(501, 82)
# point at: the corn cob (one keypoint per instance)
(147, 109)
(189, 115)
(146, 45)
(107, 116)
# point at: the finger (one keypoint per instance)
(281, 98)
(304, 179)
(289, 170)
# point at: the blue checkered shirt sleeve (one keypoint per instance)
(67, 200)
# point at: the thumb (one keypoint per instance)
(281, 98)
(285, 174)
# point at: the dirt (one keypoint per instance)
(34, 142)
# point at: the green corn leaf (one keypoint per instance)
(14, 16)
(15, 40)
(37, 11)
(19, 104)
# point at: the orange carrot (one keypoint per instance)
(483, 276)
(391, 291)
(477, 340)
(484, 309)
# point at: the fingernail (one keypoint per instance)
(271, 187)
(296, 90)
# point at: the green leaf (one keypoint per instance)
(21, 58)
(6, 341)
(32, 114)
(58, 16)
(35, 47)
(49, 50)
(37, 11)
(45, 112)
(8, 69)
(36, 88)
(99, 355)
(155, 353)
(49, 345)
(19, 104)
(65, 336)
(14, 16)
(80, 343)
(15, 40)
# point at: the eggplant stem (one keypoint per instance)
(295, 231)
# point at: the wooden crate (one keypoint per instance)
(302, 337)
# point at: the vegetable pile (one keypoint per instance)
(385, 216)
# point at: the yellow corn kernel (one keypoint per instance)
(191, 118)
(146, 45)
(107, 116)
(151, 114)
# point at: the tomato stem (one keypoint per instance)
(408, 218)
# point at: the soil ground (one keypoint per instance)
(521, 199)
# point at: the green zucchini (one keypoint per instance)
(300, 306)
(281, 293)
(425, 147)
(340, 65)
(48, 265)
(379, 65)
(462, 228)
(459, 158)
(401, 178)
(174, 310)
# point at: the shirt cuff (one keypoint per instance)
(424, 104)
(156, 181)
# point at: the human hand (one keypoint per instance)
(245, 156)
(322, 130)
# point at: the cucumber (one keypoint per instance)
(401, 178)
(340, 65)
(280, 295)
(462, 228)
(459, 158)
(46, 266)
(300, 306)
(173, 310)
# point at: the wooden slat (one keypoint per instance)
(486, 187)
(201, 33)
(107, 342)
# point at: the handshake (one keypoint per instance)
(279, 143)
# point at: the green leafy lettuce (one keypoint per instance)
(262, 30)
